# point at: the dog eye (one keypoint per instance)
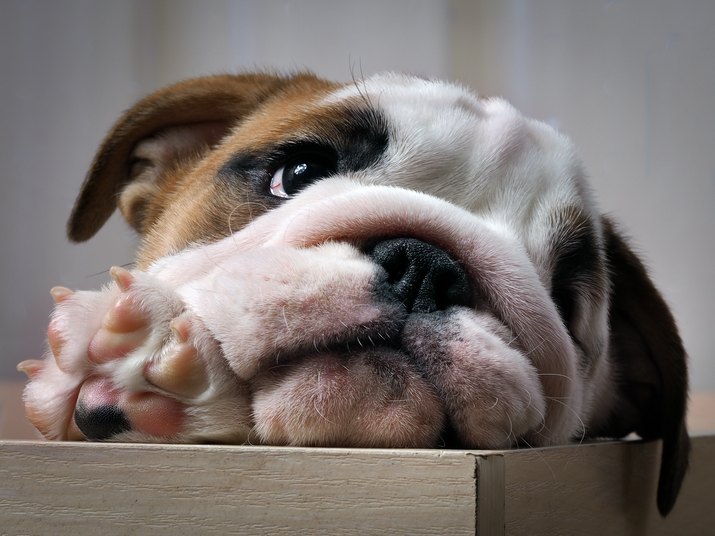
(298, 173)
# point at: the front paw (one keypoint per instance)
(51, 393)
(129, 363)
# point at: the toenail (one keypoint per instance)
(60, 294)
(30, 367)
(122, 277)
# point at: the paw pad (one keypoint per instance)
(124, 328)
(102, 422)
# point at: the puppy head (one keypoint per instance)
(562, 324)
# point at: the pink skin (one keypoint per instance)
(492, 255)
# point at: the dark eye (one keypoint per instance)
(298, 173)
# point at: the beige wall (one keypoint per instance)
(632, 82)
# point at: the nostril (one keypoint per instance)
(101, 422)
(423, 277)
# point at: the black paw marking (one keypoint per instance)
(102, 422)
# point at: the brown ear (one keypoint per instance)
(649, 364)
(174, 121)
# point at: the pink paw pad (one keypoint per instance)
(87, 391)
(103, 412)
(181, 371)
(124, 327)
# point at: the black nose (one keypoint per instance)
(101, 422)
(421, 276)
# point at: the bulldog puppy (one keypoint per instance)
(387, 263)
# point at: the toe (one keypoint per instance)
(181, 371)
(107, 345)
(60, 294)
(124, 328)
(122, 277)
(125, 316)
(30, 367)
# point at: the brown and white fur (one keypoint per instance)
(393, 262)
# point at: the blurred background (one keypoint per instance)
(632, 82)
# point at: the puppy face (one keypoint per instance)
(395, 240)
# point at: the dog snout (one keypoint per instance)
(421, 276)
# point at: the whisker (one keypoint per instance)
(542, 415)
(535, 348)
(285, 318)
(315, 407)
(555, 374)
(569, 408)
(104, 272)
(510, 433)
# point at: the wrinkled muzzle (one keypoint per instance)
(378, 316)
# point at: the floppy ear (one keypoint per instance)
(649, 364)
(174, 123)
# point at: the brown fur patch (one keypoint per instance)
(650, 365)
(223, 99)
(191, 206)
